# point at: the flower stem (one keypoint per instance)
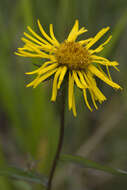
(61, 137)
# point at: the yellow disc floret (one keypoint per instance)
(73, 55)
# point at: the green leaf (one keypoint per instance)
(23, 174)
(91, 164)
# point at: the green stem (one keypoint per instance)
(60, 143)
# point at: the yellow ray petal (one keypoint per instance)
(109, 63)
(53, 36)
(73, 106)
(81, 31)
(33, 82)
(100, 75)
(92, 85)
(33, 39)
(44, 33)
(97, 37)
(76, 79)
(28, 43)
(40, 45)
(54, 89)
(37, 36)
(101, 47)
(35, 48)
(97, 93)
(103, 61)
(93, 98)
(25, 47)
(70, 90)
(44, 77)
(73, 32)
(84, 42)
(32, 72)
(76, 33)
(108, 72)
(37, 70)
(86, 101)
(19, 54)
(26, 54)
(99, 67)
(96, 57)
(116, 68)
(63, 72)
(108, 69)
(82, 79)
(48, 68)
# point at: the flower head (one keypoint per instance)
(73, 59)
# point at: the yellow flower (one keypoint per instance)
(72, 59)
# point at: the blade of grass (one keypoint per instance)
(83, 162)
(22, 174)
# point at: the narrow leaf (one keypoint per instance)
(23, 174)
(91, 164)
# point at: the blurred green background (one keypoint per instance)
(29, 122)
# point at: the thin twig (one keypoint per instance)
(60, 143)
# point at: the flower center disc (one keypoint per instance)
(73, 55)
